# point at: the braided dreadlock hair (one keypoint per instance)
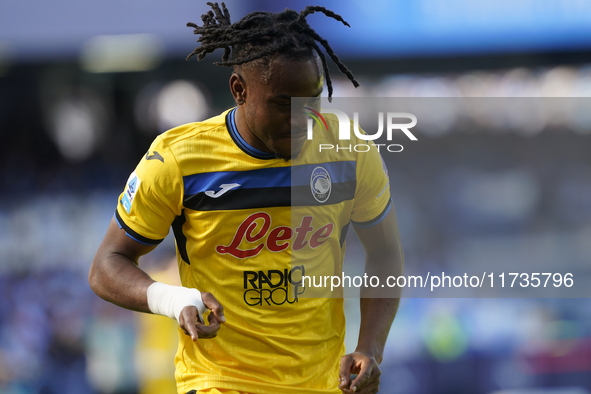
(260, 35)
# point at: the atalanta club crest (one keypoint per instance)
(320, 184)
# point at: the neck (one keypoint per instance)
(245, 132)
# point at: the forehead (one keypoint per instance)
(289, 78)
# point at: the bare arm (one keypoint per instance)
(114, 274)
(116, 277)
(384, 257)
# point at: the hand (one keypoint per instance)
(367, 370)
(192, 325)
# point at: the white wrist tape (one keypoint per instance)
(167, 300)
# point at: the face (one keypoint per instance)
(264, 104)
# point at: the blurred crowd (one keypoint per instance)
(56, 336)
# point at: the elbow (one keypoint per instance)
(94, 279)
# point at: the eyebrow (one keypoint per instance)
(286, 97)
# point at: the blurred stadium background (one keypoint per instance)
(86, 86)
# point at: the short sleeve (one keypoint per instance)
(372, 195)
(153, 196)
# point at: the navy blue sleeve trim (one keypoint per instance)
(375, 220)
(181, 238)
(133, 235)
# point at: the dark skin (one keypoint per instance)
(383, 252)
(263, 119)
(116, 277)
(263, 115)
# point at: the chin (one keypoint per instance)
(287, 151)
(296, 149)
(282, 152)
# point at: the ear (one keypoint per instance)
(238, 88)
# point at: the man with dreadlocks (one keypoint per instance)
(224, 185)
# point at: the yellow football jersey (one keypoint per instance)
(248, 226)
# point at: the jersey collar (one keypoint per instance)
(242, 144)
